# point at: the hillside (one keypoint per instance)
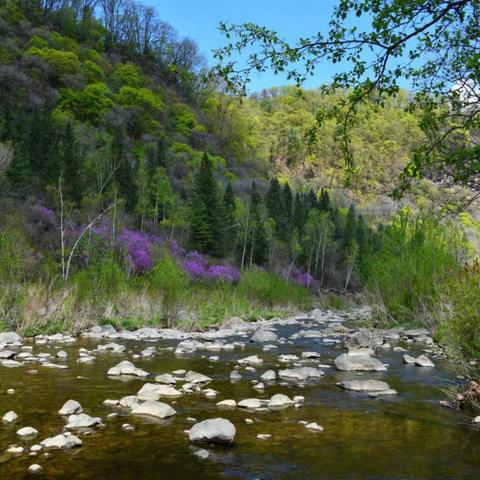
(129, 177)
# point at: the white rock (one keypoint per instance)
(269, 376)
(166, 378)
(279, 400)
(82, 420)
(27, 432)
(262, 335)
(194, 377)
(9, 417)
(216, 430)
(35, 468)
(264, 436)
(423, 361)
(408, 359)
(314, 426)
(152, 391)
(251, 360)
(153, 408)
(356, 362)
(64, 442)
(227, 403)
(302, 373)
(250, 403)
(126, 368)
(70, 407)
(365, 385)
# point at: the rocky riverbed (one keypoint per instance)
(312, 397)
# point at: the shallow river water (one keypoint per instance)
(407, 436)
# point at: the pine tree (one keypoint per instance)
(273, 200)
(258, 243)
(350, 231)
(143, 204)
(207, 234)
(229, 214)
(324, 202)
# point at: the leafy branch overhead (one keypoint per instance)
(432, 45)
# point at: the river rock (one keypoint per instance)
(111, 347)
(408, 359)
(423, 361)
(227, 404)
(82, 420)
(70, 407)
(364, 385)
(357, 362)
(416, 332)
(63, 441)
(9, 417)
(314, 426)
(10, 338)
(251, 360)
(194, 377)
(7, 354)
(35, 468)
(250, 403)
(153, 408)
(279, 400)
(235, 323)
(129, 401)
(27, 432)
(215, 430)
(126, 368)
(269, 376)
(152, 391)
(262, 335)
(301, 373)
(166, 378)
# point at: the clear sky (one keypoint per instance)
(199, 19)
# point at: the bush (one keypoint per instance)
(269, 289)
(415, 252)
(101, 280)
(457, 314)
(171, 282)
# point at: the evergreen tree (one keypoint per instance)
(274, 201)
(324, 202)
(207, 234)
(350, 231)
(258, 242)
(143, 205)
(229, 214)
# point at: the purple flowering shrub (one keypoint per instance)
(196, 265)
(138, 246)
(299, 277)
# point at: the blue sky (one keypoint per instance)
(199, 20)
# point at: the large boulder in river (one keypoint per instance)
(262, 335)
(357, 362)
(215, 430)
(365, 385)
(423, 361)
(235, 323)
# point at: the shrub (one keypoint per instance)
(171, 282)
(127, 74)
(415, 252)
(269, 289)
(457, 313)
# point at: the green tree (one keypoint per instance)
(206, 231)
